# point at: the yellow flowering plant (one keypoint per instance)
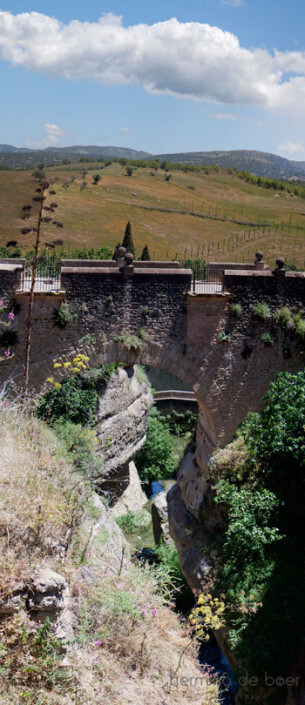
(77, 365)
(207, 615)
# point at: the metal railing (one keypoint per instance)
(206, 280)
(179, 395)
(47, 278)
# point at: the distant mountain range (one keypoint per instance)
(259, 163)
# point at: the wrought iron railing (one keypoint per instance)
(47, 278)
(206, 279)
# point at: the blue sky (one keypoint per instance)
(163, 77)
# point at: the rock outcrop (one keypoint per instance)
(133, 498)
(191, 518)
(122, 415)
(159, 513)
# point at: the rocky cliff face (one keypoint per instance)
(192, 516)
(123, 412)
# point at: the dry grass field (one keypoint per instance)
(216, 215)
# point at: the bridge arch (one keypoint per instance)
(179, 332)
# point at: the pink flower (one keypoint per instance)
(98, 642)
(4, 403)
(11, 315)
(154, 611)
(7, 352)
(143, 613)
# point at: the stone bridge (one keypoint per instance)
(142, 312)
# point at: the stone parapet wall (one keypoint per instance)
(85, 263)
(123, 303)
(278, 285)
(10, 278)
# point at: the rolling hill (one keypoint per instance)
(216, 215)
(255, 162)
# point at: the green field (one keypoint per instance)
(217, 215)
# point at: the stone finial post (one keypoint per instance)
(121, 256)
(128, 267)
(259, 260)
(279, 274)
(280, 263)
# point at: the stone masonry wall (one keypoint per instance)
(179, 333)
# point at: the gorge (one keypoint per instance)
(147, 315)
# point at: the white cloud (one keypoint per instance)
(50, 139)
(291, 149)
(188, 60)
(223, 116)
(125, 130)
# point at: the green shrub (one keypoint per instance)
(62, 316)
(284, 317)
(264, 577)
(180, 422)
(170, 578)
(224, 337)
(31, 659)
(236, 310)
(261, 311)
(267, 339)
(133, 521)
(74, 401)
(299, 326)
(131, 342)
(155, 461)
(79, 443)
(77, 399)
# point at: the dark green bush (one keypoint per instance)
(155, 461)
(264, 577)
(77, 399)
(180, 422)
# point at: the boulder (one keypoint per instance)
(159, 512)
(122, 419)
(48, 591)
(133, 498)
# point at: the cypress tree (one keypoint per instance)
(115, 254)
(145, 256)
(127, 242)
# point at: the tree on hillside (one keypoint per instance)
(145, 256)
(115, 254)
(96, 178)
(127, 241)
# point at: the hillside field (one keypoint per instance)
(217, 216)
